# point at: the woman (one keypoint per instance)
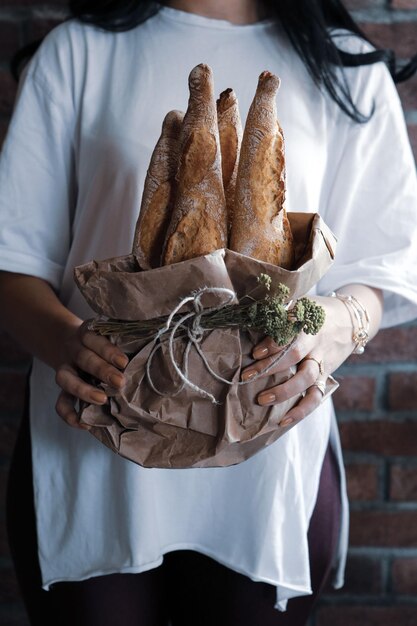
(115, 543)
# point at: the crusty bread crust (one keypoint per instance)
(260, 227)
(230, 131)
(198, 225)
(158, 194)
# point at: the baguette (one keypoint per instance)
(230, 131)
(260, 227)
(199, 224)
(158, 194)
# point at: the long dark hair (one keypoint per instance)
(307, 24)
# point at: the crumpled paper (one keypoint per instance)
(182, 428)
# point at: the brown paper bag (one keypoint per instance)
(182, 427)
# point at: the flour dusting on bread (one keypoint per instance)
(260, 226)
(158, 194)
(210, 185)
(199, 222)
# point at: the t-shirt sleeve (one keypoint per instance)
(37, 189)
(371, 202)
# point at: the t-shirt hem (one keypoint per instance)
(292, 590)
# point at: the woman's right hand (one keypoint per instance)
(84, 351)
(32, 313)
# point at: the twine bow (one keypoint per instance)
(192, 324)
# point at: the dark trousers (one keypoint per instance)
(188, 589)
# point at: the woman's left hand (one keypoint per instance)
(316, 356)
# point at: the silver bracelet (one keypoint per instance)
(360, 320)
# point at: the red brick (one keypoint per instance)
(362, 481)
(398, 36)
(11, 353)
(404, 4)
(391, 345)
(403, 483)
(345, 615)
(9, 39)
(408, 92)
(356, 393)
(402, 391)
(363, 576)
(383, 528)
(380, 437)
(12, 392)
(404, 576)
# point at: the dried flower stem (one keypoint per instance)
(270, 316)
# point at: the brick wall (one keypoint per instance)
(377, 411)
(377, 402)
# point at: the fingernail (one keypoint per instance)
(99, 398)
(116, 380)
(248, 374)
(260, 352)
(287, 422)
(266, 398)
(120, 361)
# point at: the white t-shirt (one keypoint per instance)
(71, 177)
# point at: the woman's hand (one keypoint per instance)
(32, 313)
(316, 356)
(84, 351)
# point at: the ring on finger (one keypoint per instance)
(319, 363)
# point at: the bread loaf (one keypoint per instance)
(230, 131)
(198, 225)
(260, 226)
(158, 194)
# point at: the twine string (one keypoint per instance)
(195, 333)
